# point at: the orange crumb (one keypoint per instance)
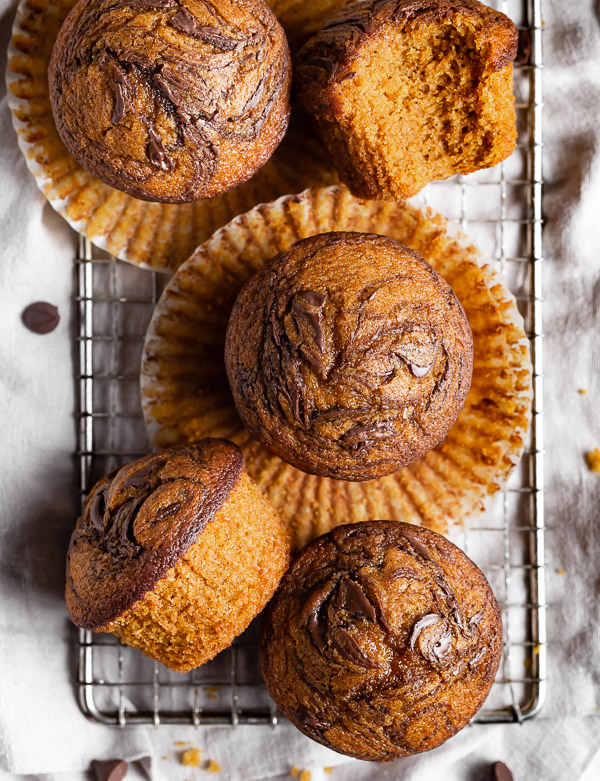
(536, 648)
(305, 775)
(593, 460)
(328, 770)
(560, 572)
(582, 391)
(180, 743)
(527, 662)
(164, 757)
(191, 757)
(294, 771)
(214, 767)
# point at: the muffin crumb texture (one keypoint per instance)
(192, 757)
(408, 91)
(382, 641)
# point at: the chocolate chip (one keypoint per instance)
(97, 508)
(348, 648)
(109, 769)
(356, 601)
(315, 632)
(499, 772)
(40, 317)
(124, 92)
(188, 24)
(475, 619)
(141, 476)
(313, 298)
(422, 623)
(155, 151)
(421, 549)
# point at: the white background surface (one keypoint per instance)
(41, 728)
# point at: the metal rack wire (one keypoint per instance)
(120, 687)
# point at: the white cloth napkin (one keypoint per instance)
(42, 730)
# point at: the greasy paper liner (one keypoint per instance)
(185, 394)
(153, 235)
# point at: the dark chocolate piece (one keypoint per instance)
(500, 772)
(156, 151)
(40, 317)
(124, 91)
(307, 719)
(315, 632)
(141, 476)
(346, 76)
(109, 769)
(421, 549)
(475, 619)
(97, 508)
(313, 298)
(356, 601)
(186, 23)
(358, 437)
(422, 623)
(347, 647)
(443, 646)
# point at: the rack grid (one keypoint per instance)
(501, 210)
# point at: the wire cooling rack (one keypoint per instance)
(501, 210)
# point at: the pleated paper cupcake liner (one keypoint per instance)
(185, 394)
(152, 235)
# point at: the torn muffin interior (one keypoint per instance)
(425, 104)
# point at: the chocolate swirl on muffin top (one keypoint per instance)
(382, 640)
(171, 101)
(348, 355)
(139, 521)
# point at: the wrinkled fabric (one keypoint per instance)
(42, 731)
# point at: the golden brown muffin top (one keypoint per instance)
(139, 521)
(382, 640)
(349, 356)
(167, 100)
(327, 58)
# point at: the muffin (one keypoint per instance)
(408, 91)
(382, 641)
(176, 553)
(348, 355)
(170, 102)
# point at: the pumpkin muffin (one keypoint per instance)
(171, 101)
(408, 91)
(382, 641)
(176, 553)
(348, 355)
